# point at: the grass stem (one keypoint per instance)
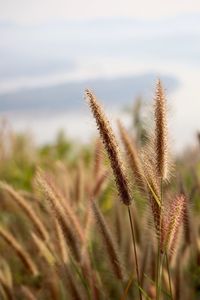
(159, 255)
(169, 275)
(135, 251)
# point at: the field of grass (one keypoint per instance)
(116, 219)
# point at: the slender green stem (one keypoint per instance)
(159, 255)
(169, 276)
(82, 278)
(157, 271)
(135, 252)
(160, 275)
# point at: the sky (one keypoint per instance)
(39, 11)
(49, 44)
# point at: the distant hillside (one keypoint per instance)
(117, 91)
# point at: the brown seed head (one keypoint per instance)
(133, 158)
(171, 223)
(161, 133)
(111, 147)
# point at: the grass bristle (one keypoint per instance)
(161, 133)
(171, 223)
(133, 158)
(111, 147)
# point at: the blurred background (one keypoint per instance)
(51, 50)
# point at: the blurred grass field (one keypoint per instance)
(52, 246)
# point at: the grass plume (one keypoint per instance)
(161, 133)
(172, 221)
(111, 147)
(133, 158)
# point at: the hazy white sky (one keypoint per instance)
(37, 11)
(168, 47)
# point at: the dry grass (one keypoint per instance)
(66, 236)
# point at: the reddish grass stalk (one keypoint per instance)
(114, 155)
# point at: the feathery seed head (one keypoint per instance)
(111, 147)
(133, 158)
(171, 223)
(161, 133)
